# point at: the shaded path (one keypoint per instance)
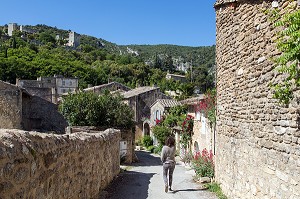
(143, 180)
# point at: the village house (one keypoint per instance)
(49, 88)
(20, 110)
(158, 109)
(203, 136)
(176, 77)
(140, 100)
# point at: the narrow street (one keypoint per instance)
(143, 180)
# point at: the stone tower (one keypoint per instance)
(74, 39)
(12, 27)
(257, 152)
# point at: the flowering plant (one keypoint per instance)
(203, 163)
(208, 106)
(187, 129)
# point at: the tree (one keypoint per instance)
(89, 109)
(46, 37)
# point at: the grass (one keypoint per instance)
(215, 187)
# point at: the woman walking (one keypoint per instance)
(168, 160)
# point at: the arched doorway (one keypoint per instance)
(146, 129)
(196, 147)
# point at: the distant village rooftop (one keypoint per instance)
(167, 103)
(138, 91)
(104, 86)
(193, 100)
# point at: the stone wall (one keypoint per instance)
(10, 106)
(127, 144)
(258, 141)
(36, 165)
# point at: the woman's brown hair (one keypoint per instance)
(170, 141)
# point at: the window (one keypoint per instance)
(197, 117)
(70, 83)
(157, 114)
(203, 124)
(63, 83)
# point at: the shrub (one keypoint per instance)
(147, 141)
(161, 133)
(203, 164)
(139, 142)
(157, 149)
(151, 149)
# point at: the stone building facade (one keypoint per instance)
(157, 110)
(49, 88)
(11, 28)
(140, 100)
(20, 110)
(41, 115)
(203, 136)
(175, 77)
(258, 140)
(37, 165)
(10, 106)
(74, 39)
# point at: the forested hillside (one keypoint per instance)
(96, 61)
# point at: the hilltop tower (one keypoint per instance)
(74, 39)
(12, 27)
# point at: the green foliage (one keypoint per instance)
(97, 61)
(161, 133)
(151, 148)
(176, 117)
(288, 43)
(147, 141)
(215, 187)
(158, 149)
(139, 142)
(46, 37)
(89, 109)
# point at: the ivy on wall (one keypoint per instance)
(287, 63)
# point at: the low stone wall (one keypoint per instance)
(127, 144)
(36, 165)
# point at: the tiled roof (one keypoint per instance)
(105, 85)
(220, 2)
(193, 100)
(138, 91)
(167, 102)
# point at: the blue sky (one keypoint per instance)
(178, 22)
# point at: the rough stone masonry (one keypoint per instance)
(258, 140)
(40, 165)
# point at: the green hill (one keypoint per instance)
(43, 52)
